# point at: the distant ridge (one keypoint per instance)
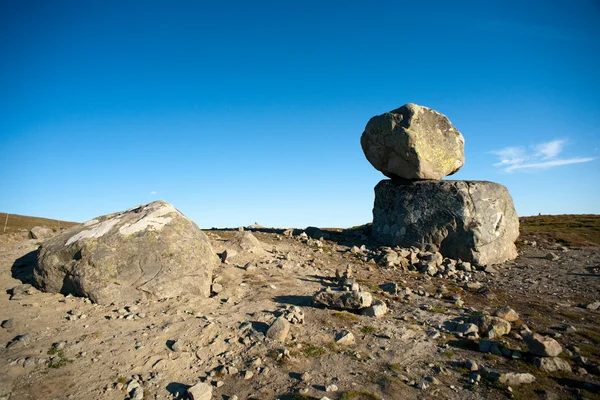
(19, 223)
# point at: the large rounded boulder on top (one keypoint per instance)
(413, 142)
(148, 251)
(473, 221)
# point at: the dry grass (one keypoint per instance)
(568, 230)
(21, 223)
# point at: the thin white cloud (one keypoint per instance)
(550, 149)
(510, 156)
(550, 164)
(540, 156)
(153, 192)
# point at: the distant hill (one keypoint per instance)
(22, 223)
(567, 229)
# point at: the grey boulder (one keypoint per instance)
(344, 300)
(151, 250)
(244, 243)
(40, 233)
(413, 142)
(473, 221)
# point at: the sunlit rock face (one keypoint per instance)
(151, 250)
(413, 142)
(473, 221)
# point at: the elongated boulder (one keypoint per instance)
(148, 251)
(343, 300)
(413, 142)
(473, 221)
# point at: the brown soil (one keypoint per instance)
(103, 352)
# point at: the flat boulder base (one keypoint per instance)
(148, 251)
(413, 142)
(472, 221)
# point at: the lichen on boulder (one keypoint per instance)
(151, 250)
(413, 142)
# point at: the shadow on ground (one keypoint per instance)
(304, 301)
(22, 268)
(178, 390)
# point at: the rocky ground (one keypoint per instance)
(450, 331)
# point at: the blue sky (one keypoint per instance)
(252, 111)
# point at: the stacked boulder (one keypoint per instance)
(415, 147)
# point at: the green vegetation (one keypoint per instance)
(448, 353)
(313, 351)
(57, 358)
(568, 230)
(438, 309)
(346, 316)
(367, 330)
(590, 335)
(359, 395)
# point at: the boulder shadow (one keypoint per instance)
(577, 384)
(178, 390)
(304, 301)
(22, 268)
(261, 327)
(294, 396)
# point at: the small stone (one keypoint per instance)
(279, 330)
(507, 314)
(219, 384)
(551, 364)
(9, 323)
(137, 393)
(472, 365)
(593, 306)
(466, 328)
(248, 375)
(217, 288)
(552, 256)
(331, 388)
(542, 346)
(512, 378)
(493, 327)
(345, 338)
(305, 377)
(200, 391)
(377, 310)
(177, 346)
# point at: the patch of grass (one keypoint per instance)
(570, 315)
(567, 230)
(438, 309)
(448, 353)
(462, 370)
(395, 368)
(590, 335)
(333, 347)
(298, 396)
(346, 316)
(58, 358)
(122, 379)
(490, 356)
(367, 330)
(588, 350)
(313, 351)
(52, 351)
(359, 395)
(57, 363)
